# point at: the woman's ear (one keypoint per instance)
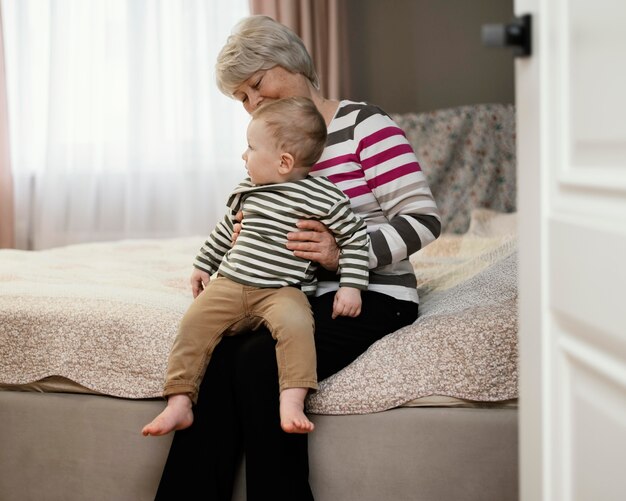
(286, 163)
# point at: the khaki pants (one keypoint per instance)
(225, 308)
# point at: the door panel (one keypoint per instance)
(572, 209)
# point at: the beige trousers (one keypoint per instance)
(226, 308)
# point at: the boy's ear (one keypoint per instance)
(286, 163)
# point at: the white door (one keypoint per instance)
(571, 105)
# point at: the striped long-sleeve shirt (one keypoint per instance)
(369, 158)
(259, 256)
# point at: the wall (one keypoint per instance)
(421, 55)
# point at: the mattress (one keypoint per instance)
(76, 447)
(100, 318)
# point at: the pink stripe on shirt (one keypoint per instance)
(357, 191)
(346, 176)
(332, 162)
(393, 174)
(382, 179)
(388, 154)
(378, 136)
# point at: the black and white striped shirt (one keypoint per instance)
(259, 256)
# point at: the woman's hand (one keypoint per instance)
(314, 243)
(199, 280)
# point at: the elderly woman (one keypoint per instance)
(368, 157)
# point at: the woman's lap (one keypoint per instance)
(340, 341)
(238, 407)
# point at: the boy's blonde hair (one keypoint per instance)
(297, 126)
(260, 43)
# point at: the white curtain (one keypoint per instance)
(117, 127)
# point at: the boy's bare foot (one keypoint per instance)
(292, 417)
(176, 416)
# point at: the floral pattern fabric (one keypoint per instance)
(468, 156)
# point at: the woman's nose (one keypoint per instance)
(255, 100)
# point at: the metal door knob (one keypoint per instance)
(515, 34)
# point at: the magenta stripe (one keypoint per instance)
(378, 136)
(332, 162)
(357, 190)
(385, 155)
(346, 176)
(394, 174)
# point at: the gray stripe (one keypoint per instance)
(365, 111)
(407, 233)
(347, 134)
(349, 108)
(340, 136)
(418, 190)
(380, 248)
(293, 266)
(431, 222)
(405, 280)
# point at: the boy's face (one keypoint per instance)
(262, 157)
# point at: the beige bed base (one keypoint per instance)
(73, 447)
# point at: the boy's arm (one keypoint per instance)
(216, 245)
(350, 233)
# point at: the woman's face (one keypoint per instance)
(269, 85)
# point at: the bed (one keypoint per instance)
(427, 413)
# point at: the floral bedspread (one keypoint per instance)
(104, 316)
(464, 342)
(468, 156)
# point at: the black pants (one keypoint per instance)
(237, 410)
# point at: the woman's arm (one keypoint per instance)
(392, 173)
(314, 242)
(400, 211)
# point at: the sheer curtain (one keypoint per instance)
(117, 127)
(7, 234)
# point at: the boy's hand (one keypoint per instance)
(236, 227)
(347, 302)
(199, 280)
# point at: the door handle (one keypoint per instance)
(516, 34)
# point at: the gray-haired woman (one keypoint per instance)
(368, 157)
